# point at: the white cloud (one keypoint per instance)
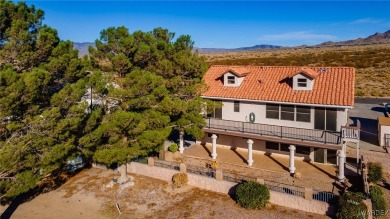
(366, 21)
(297, 35)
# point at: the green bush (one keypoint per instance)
(374, 172)
(351, 206)
(378, 199)
(252, 195)
(173, 148)
(180, 179)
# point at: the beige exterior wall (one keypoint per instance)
(310, 82)
(259, 109)
(382, 129)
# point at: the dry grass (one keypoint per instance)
(372, 63)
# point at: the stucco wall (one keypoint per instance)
(309, 86)
(237, 80)
(226, 187)
(259, 109)
(383, 129)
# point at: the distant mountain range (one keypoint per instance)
(257, 47)
(378, 38)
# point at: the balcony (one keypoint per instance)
(283, 132)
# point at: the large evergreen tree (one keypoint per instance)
(121, 102)
(158, 84)
(41, 84)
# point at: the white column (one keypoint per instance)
(341, 156)
(214, 145)
(250, 160)
(357, 152)
(292, 164)
(181, 142)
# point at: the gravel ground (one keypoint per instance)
(86, 196)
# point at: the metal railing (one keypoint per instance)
(166, 164)
(286, 189)
(350, 132)
(325, 196)
(237, 178)
(313, 135)
(204, 171)
(387, 140)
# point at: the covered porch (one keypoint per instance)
(273, 167)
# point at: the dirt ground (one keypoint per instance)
(86, 196)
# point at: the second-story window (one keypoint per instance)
(302, 82)
(287, 112)
(236, 106)
(272, 111)
(303, 113)
(231, 79)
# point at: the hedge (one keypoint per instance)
(252, 195)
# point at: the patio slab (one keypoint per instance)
(268, 167)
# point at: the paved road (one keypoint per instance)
(367, 111)
(370, 100)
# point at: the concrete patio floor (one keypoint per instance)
(272, 164)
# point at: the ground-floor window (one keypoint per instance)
(285, 147)
(272, 145)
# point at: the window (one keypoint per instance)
(303, 113)
(231, 79)
(272, 111)
(302, 82)
(287, 112)
(272, 145)
(303, 150)
(236, 106)
(284, 147)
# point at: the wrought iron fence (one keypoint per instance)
(204, 171)
(166, 164)
(325, 196)
(284, 188)
(237, 178)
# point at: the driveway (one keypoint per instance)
(367, 111)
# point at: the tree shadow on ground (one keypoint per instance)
(379, 109)
(49, 184)
(368, 129)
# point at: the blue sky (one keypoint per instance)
(223, 24)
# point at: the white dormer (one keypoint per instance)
(304, 79)
(234, 76)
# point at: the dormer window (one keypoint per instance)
(302, 82)
(231, 79)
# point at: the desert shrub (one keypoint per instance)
(180, 179)
(252, 195)
(351, 206)
(378, 199)
(173, 148)
(212, 165)
(374, 172)
(360, 93)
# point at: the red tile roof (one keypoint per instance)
(238, 71)
(332, 85)
(308, 72)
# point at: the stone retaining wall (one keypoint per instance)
(226, 187)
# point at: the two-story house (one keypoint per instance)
(294, 111)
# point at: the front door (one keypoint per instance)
(319, 155)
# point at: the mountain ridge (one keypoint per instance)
(377, 38)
